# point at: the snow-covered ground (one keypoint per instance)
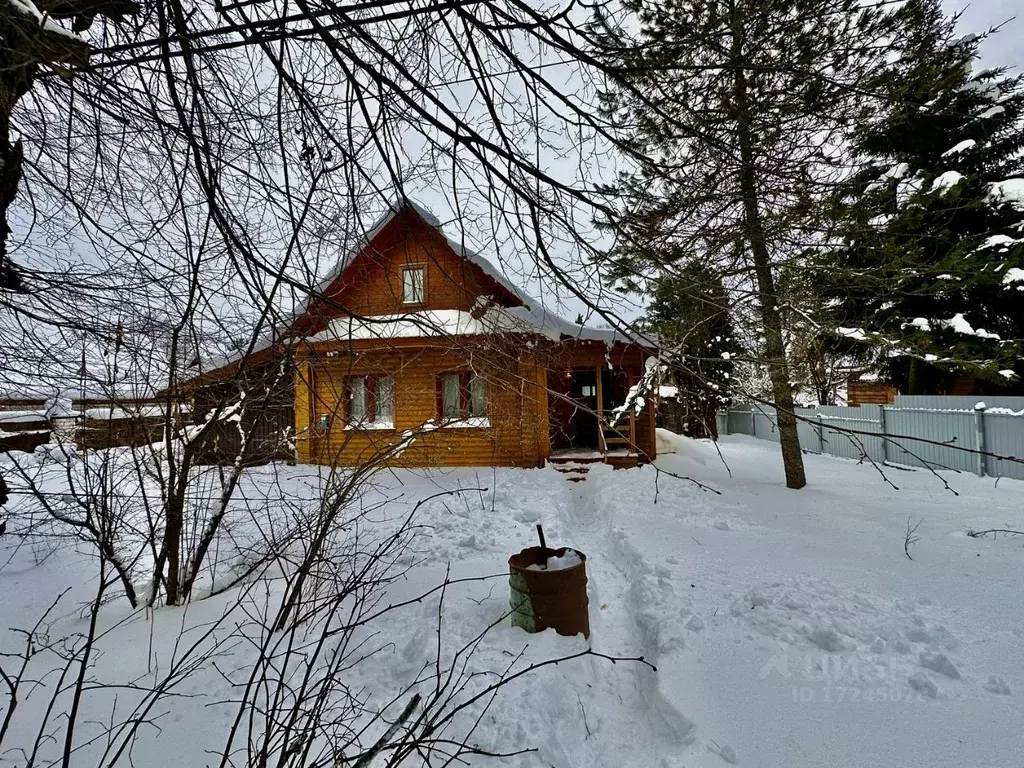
(788, 628)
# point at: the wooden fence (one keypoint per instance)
(269, 432)
(269, 436)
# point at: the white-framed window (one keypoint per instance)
(461, 395)
(414, 285)
(371, 401)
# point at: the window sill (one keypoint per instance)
(473, 422)
(370, 426)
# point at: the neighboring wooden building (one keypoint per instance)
(862, 389)
(870, 389)
(417, 352)
(23, 425)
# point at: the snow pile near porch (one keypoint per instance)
(670, 442)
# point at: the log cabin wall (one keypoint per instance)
(519, 431)
(515, 434)
(869, 392)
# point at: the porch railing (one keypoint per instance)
(617, 434)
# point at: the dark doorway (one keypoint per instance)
(584, 417)
(573, 406)
(560, 409)
(614, 388)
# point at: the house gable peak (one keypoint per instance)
(368, 280)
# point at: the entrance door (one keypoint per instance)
(614, 388)
(584, 418)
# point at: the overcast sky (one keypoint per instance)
(1004, 49)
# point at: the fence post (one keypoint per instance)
(821, 433)
(979, 433)
(753, 422)
(881, 431)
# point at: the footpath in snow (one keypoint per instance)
(788, 628)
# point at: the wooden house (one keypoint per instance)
(415, 351)
(868, 389)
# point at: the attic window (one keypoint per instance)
(414, 285)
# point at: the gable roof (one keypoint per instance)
(394, 210)
(529, 317)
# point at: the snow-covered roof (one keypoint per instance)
(534, 318)
(21, 417)
(115, 413)
(530, 318)
(867, 376)
(454, 322)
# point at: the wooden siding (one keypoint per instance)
(869, 393)
(96, 434)
(26, 442)
(517, 435)
(267, 417)
(372, 284)
(22, 404)
(518, 400)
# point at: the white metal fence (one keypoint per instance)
(919, 430)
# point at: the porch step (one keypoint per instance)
(575, 468)
(574, 473)
(628, 461)
(570, 460)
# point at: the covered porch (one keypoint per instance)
(588, 420)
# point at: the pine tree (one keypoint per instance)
(689, 312)
(931, 266)
(820, 365)
(741, 104)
